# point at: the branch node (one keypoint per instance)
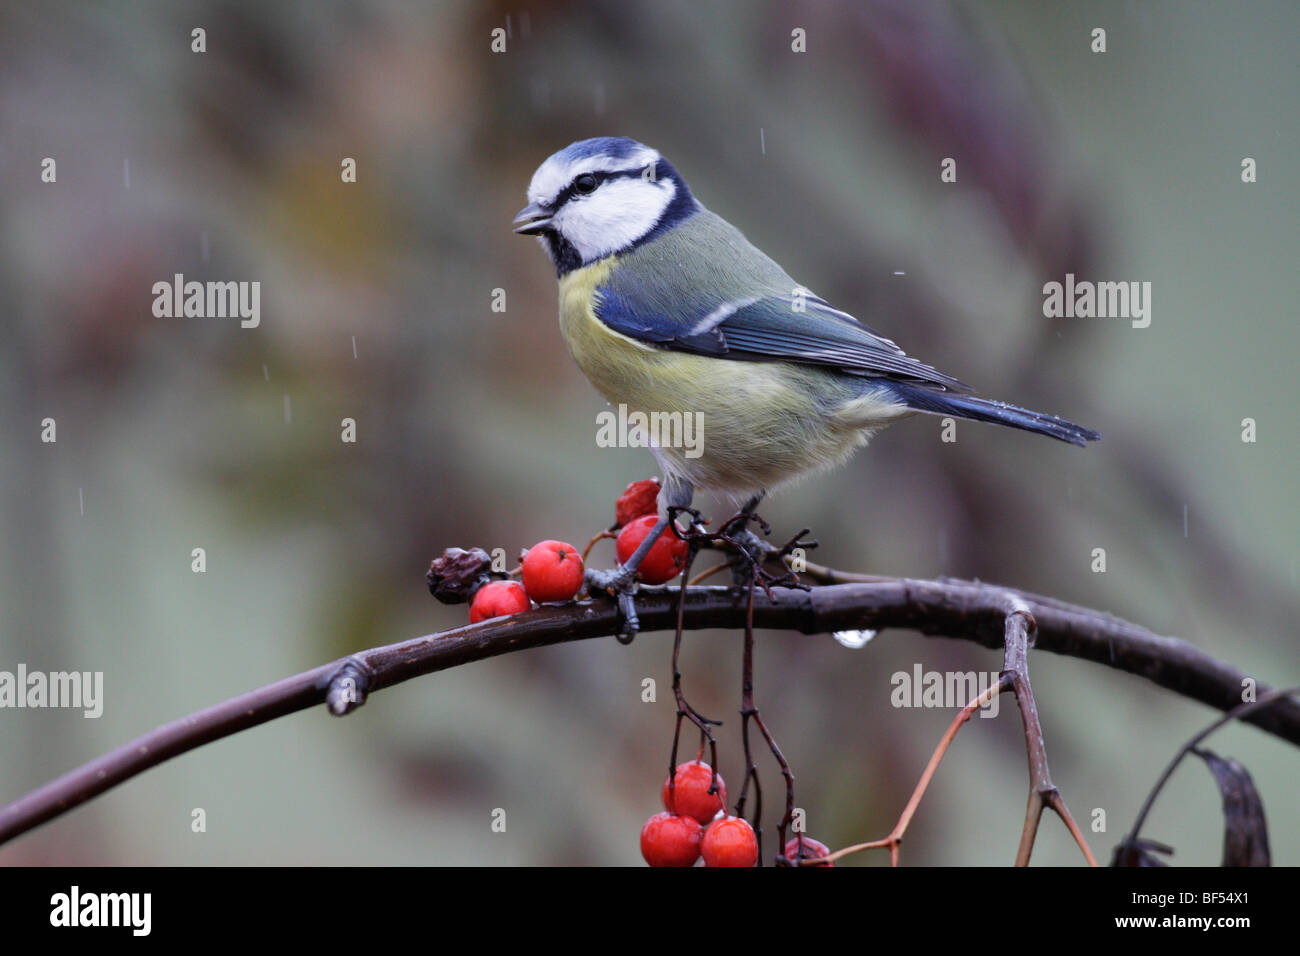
(348, 687)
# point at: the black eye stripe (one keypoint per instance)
(571, 190)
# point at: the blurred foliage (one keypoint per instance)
(476, 429)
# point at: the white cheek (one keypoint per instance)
(618, 214)
(554, 174)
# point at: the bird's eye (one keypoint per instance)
(585, 183)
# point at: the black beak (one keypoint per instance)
(531, 220)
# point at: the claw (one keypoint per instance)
(631, 624)
(623, 586)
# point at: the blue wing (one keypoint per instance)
(762, 327)
(702, 288)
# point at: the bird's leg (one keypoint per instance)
(675, 495)
(621, 582)
(735, 533)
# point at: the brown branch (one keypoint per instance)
(1020, 626)
(957, 609)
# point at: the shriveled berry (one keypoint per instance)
(690, 792)
(669, 840)
(454, 576)
(812, 850)
(640, 498)
(729, 841)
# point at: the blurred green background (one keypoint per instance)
(475, 428)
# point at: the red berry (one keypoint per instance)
(691, 792)
(666, 558)
(640, 498)
(812, 850)
(729, 841)
(552, 571)
(668, 840)
(497, 599)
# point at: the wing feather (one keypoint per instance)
(702, 288)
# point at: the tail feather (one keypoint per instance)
(934, 402)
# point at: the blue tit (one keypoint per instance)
(667, 308)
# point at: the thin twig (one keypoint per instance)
(895, 837)
(684, 709)
(1264, 700)
(705, 575)
(601, 536)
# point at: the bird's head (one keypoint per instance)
(601, 196)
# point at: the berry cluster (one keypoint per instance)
(695, 823)
(552, 571)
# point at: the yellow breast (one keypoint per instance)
(762, 423)
(612, 361)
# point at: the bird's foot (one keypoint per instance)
(621, 583)
(752, 555)
(753, 552)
